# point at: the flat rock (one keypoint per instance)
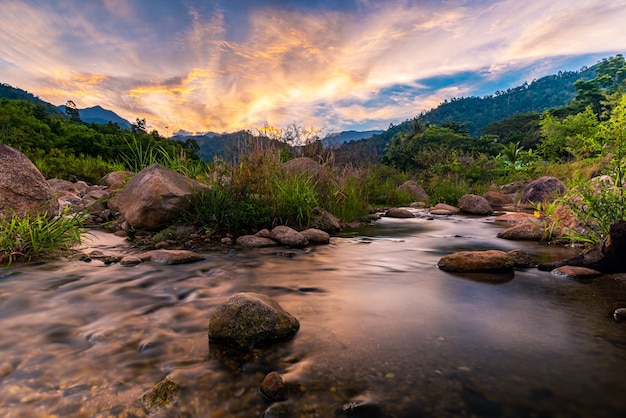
(490, 261)
(255, 241)
(170, 257)
(399, 213)
(575, 272)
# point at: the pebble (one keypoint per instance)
(273, 386)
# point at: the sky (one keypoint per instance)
(227, 65)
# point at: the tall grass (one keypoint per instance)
(37, 236)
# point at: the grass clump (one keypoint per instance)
(38, 236)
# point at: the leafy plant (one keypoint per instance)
(36, 236)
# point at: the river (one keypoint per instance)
(384, 332)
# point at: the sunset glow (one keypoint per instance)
(229, 65)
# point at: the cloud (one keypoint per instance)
(221, 66)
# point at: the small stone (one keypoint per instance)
(273, 386)
(619, 314)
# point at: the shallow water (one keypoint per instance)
(384, 332)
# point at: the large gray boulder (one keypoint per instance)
(544, 189)
(155, 196)
(475, 205)
(23, 189)
(249, 319)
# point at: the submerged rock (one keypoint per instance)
(273, 387)
(170, 257)
(162, 395)
(248, 319)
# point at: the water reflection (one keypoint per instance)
(383, 332)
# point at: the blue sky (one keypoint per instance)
(236, 64)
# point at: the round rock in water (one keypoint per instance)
(490, 261)
(248, 319)
(273, 386)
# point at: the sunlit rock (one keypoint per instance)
(249, 319)
(444, 209)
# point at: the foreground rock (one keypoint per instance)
(155, 196)
(490, 261)
(23, 189)
(475, 205)
(608, 256)
(246, 320)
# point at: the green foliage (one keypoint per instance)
(601, 202)
(447, 190)
(570, 138)
(55, 164)
(36, 236)
(293, 198)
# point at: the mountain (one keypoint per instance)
(335, 139)
(99, 115)
(476, 113)
(14, 93)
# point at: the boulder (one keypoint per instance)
(316, 236)
(525, 231)
(544, 189)
(23, 189)
(117, 180)
(474, 205)
(155, 196)
(288, 237)
(399, 213)
(255, 241)
(414, 190)
(490, 261)
(608, 256)
(498, 200)
(325, 221)
(247, 319)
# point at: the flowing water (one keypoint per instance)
(384, 332)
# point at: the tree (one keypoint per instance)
(72, 112)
